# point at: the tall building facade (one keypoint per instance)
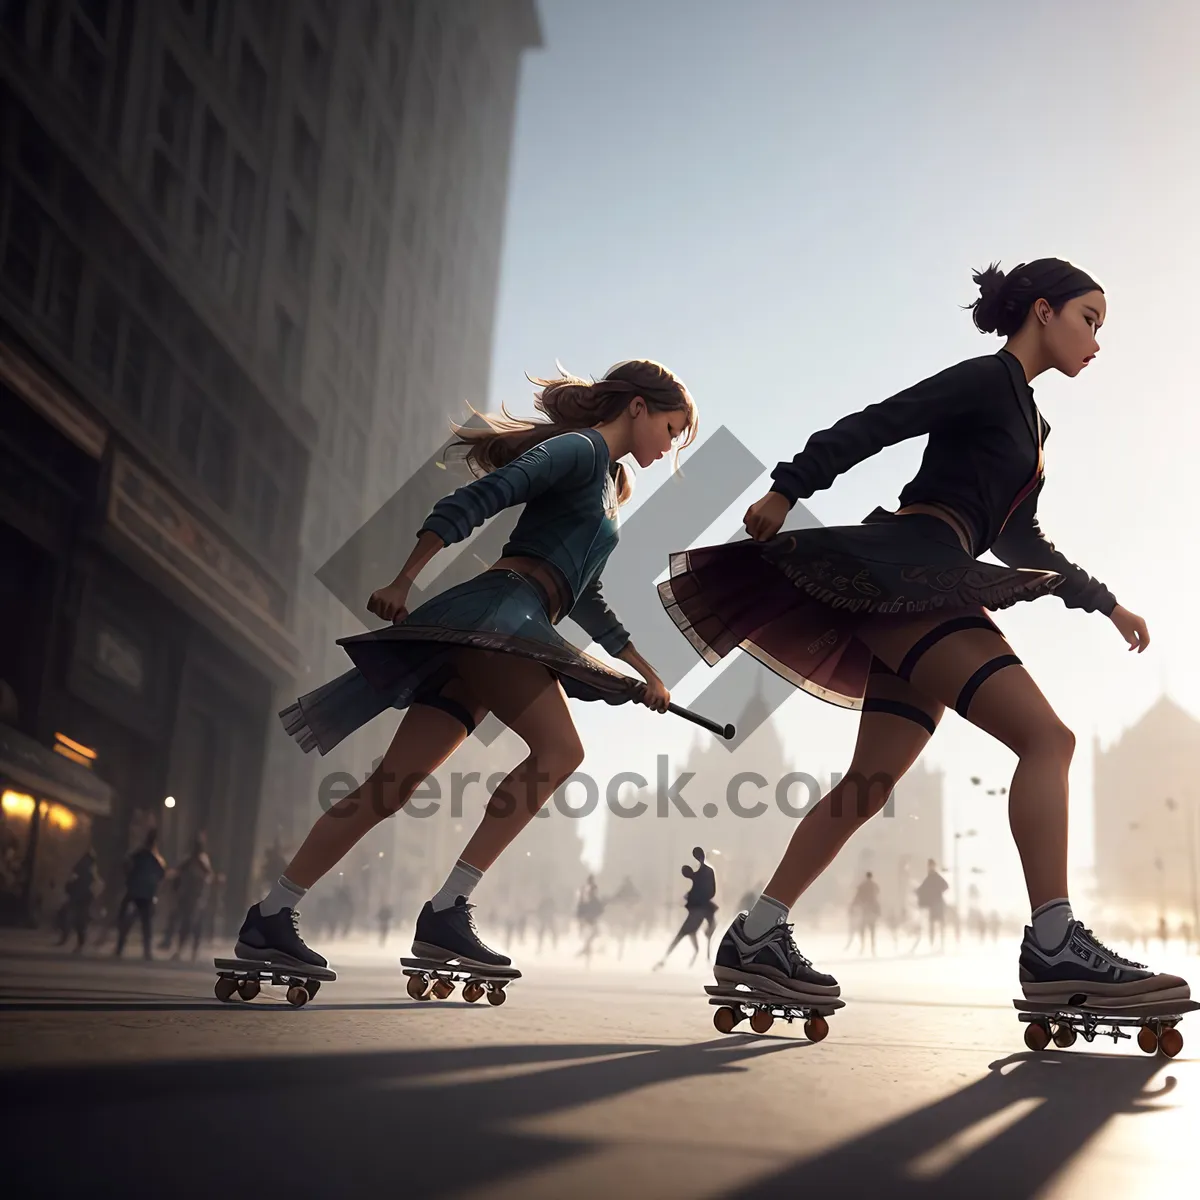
(403, 246)
(203, 237)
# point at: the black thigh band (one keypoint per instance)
(451, 707)
(988, 669)
(897, 708)
(935, 635)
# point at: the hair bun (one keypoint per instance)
(986, 310)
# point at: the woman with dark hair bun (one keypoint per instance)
(890, 617)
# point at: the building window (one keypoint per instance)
(175, 108)
(287, 345)
(62, 304)
(23, 247)
(96, 12)
(296, 244)
(263, 13)
(14, 18)
(37, 156)
(305, 154)
(204, 234)
(266, 510)
(85, 70)
(251, 87)
(189, 423)
(355, 98)
(212, 25)
(334, 293)
(231, 269)
(377, 250)
(312, 56)
(212, 157)
(408, 222)
(393, 67)
(381, 158)
(134, 369)
(166, 185)
(241, 213)
(333, 351)
(102, 352)
(218, 458)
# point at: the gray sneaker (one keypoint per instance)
(770, 963)
(1081, 970)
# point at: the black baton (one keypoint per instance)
(725, 731)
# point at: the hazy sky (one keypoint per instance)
(783, 202)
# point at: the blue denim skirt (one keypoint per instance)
(498, 610)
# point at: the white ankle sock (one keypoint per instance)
(765, 914)
(460, 882)
(1050, 922)
(283, 894)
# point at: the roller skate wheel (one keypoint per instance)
(761, 1021)
(816, 1029)
(225, 989)
(1170, 1042)
(1147, 1039)
(472, 992)
(1064, 1036)
(496, 995)
(1037, 1035)
(725, 1019)
(248, 989)
(417, 987)
(442, 989)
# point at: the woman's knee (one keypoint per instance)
(1046, 738)
(560, 756)
(863, 791)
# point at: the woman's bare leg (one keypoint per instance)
(531, 702)
(1011, 707)
(425, 739)
(887, 747)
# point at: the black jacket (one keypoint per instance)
(983, 460)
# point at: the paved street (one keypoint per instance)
(589, 1082)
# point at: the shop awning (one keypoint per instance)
(29, 764)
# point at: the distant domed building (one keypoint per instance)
(1145, 788)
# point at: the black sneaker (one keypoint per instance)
(770, 963)
(450, 935)
(1081, 970)
(275, 939)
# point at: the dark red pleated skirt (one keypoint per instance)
(796, 601)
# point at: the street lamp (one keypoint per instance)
(1190, 804)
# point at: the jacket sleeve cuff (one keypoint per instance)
(786, 492)
(615, 641)
(445, 528)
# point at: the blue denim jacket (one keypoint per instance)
(570, 520)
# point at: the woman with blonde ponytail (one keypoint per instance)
(489, 645)
(890, 618)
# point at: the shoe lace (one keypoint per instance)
(467, 909)
(295, 919)
(1125, 962)
(793, 951)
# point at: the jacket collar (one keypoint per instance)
(1023, 394)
